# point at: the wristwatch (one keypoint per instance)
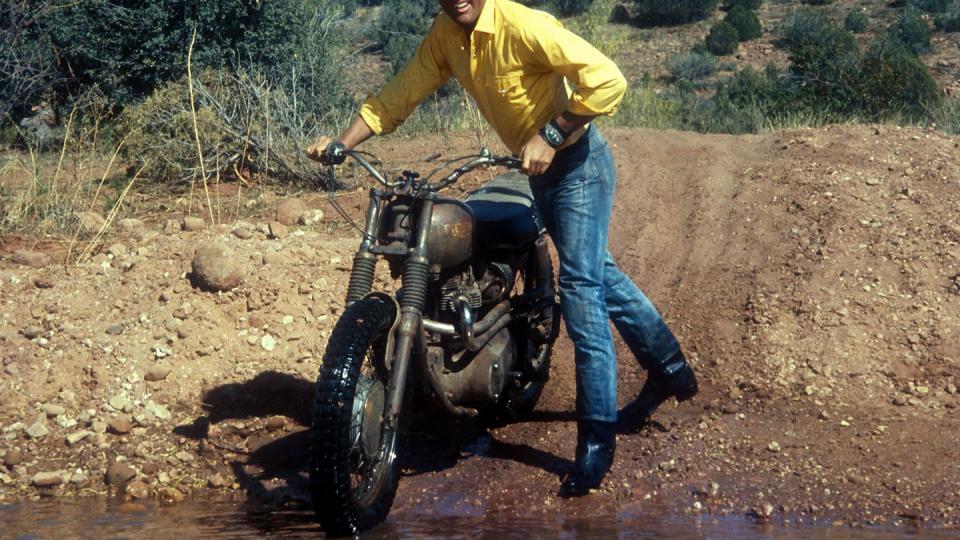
(553, 135)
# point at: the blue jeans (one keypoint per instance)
(574, 198)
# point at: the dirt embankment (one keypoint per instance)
(812, 275)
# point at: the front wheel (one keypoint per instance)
(353, 474)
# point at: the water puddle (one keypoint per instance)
(243, 518)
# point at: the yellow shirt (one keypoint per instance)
(513, 64)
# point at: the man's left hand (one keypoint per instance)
(536, 155)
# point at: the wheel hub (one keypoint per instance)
(367, 413)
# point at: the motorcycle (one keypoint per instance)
(471, 328)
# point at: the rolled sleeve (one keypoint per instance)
(599, 84)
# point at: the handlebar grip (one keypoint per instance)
(511, 162)
(334, 154)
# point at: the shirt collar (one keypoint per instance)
(485, 21)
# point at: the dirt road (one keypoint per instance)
(813, 276)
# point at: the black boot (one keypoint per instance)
(673, 378)
(596, 442)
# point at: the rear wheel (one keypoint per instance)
(353, 474)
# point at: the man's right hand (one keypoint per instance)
(316, 151)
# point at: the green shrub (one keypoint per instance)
(824, 59)
(912, 31)
(660, 13)
(895, 81)
(746, 4)
(856, 21)
(26, 61)
(746, 22)
(931, 6)
(722, 39)
(692, 66)
(949, 22)
(400, 28)
(128, 47)
(567, 8)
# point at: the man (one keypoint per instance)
(514, 61)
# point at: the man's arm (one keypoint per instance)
(600, 85)
(381, 114)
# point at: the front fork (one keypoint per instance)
(412, 295)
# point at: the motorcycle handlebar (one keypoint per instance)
(482, 159)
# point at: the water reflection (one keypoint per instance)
(242, 518)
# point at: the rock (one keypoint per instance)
(951, 389)
(114, 330)
(89, 223)
(46, 479)
(194, 224)
(131, 227)
(278, 230)
(185, 456)
(117, 250)
(773, 447)
(38, 430)
(215, 268)
(118, 474)
(118, 402)
(98, 426)
(276, 258)
(119, 426)
(43, 283)
(900, 401)
(32, 332)
(218, 481)
(52, 410)
(79, 477)
(312, 217)
(158, 411)
(170, 495)
(243, 230)
(730, 408)
(138, 490)
(150, 469)
(276, 423)
(13, 457)
(156, 373)
(74, 438)
(668, 466)
(268, 342)
(172, 226)
(290, 211)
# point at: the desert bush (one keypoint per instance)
(248, 118)
(692, 66)
(27, 62)
(912, 31)
(895, 81)
(400, 29)
(746, 4)
(722, 39)
(931, 6)
(128, 47)
(950, 21)
(659, 13)
(567, 8)
(746, 22)
(856, 21)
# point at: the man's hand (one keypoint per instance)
(315, 150)
(536, 155)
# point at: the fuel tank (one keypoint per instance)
(450, 241)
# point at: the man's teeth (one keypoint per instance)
(461, 5)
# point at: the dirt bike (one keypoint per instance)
(471, 327)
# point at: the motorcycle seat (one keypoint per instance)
(504, 213)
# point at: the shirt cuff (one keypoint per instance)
(375, 115)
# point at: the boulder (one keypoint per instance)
(215, 268)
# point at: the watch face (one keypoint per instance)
(552, 136)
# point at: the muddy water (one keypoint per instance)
(224, 518)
